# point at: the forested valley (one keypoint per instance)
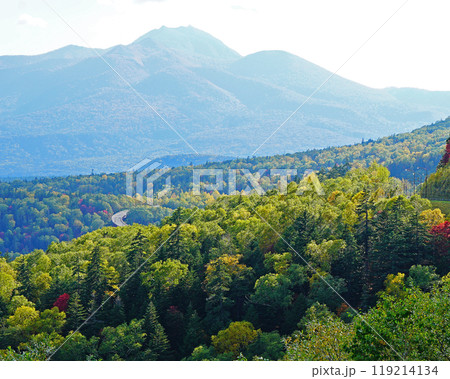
(357, 273)
(169, 204)
(35, 213)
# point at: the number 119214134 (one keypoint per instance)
(404, 370)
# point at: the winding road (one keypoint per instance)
(117, 218)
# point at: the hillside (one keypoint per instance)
(69, 112)
(437, 186)
(418, 151)
(409, 156)
(246, 278)
(37, 212)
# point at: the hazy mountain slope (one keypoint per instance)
(409, 156)
(67, 112)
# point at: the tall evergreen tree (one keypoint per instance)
(399, 240)
(24, 277)
(304, 229)
(76, 314)
(77, 272)
(157, 342)
(416, 243)
(349, 266)
(134, 293)
(194, 335)
(95, 283)
(363, 235)
(446, 157)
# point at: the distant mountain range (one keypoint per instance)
(68, 112)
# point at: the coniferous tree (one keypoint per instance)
(77, 272)
(157, 342)
(399, 240)
(416, 242)
(133, 292)
(194, 335)
(24, 277)
(95, 283)
(363, 236)
(446, 157)
(349, 267)
(302, 231)
(76, 314)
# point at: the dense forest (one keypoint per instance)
(438, 184)
(35, 213)
(359, 272)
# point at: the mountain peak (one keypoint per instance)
(189, 40)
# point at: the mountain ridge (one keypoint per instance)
(71, 113)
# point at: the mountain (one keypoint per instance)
(73, 109)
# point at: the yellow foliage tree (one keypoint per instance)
(235, 338)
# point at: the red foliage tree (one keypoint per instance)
(446, 158)
(442, 230)
(441, 242)
(62, 302)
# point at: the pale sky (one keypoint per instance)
(411, 50)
